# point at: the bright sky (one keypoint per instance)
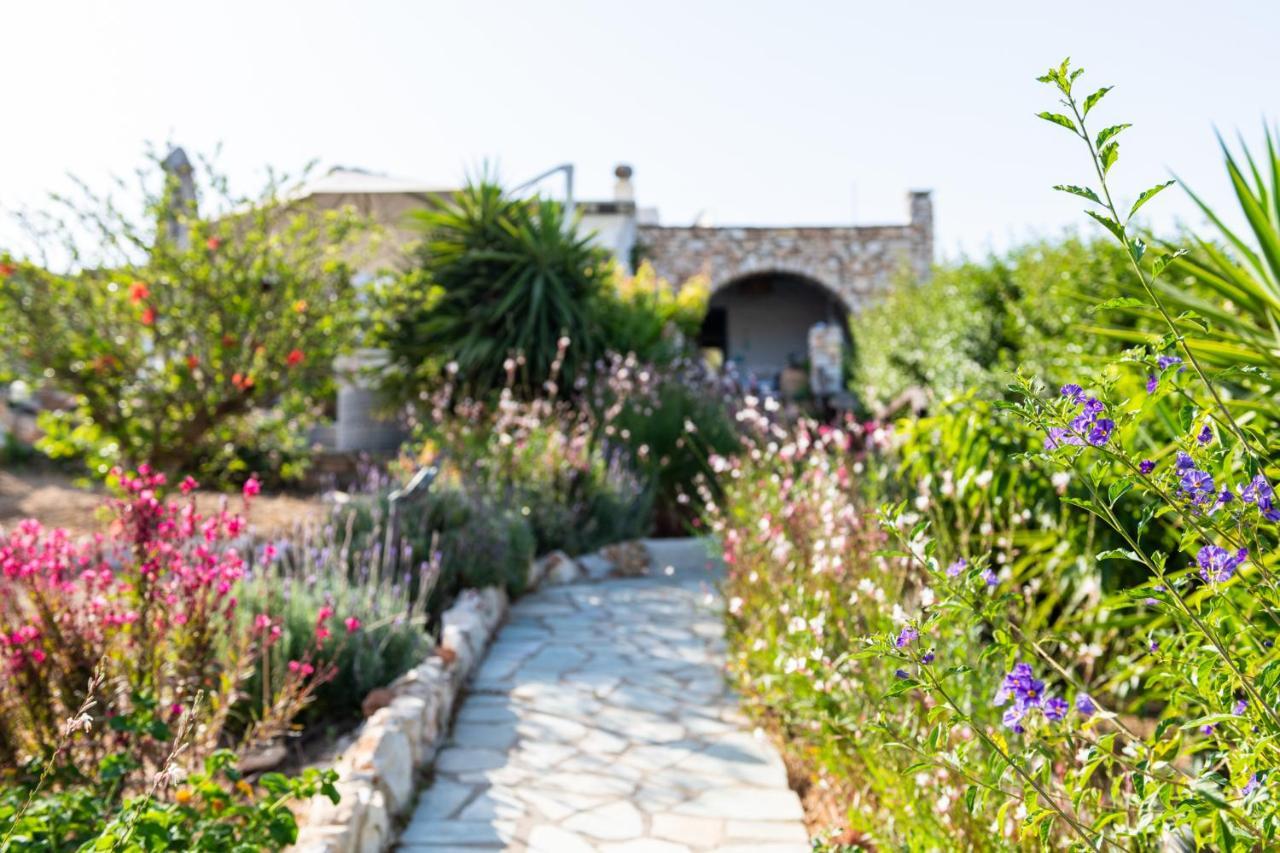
(752, 112)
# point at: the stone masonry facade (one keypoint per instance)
(856, 263)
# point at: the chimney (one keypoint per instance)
(623, 190)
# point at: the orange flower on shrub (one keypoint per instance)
(148, 316)
(192, 362)
(7, 270)
(294, 357)
(138, 291)
(213, 243)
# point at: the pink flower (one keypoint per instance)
(269, 552)
(300, 668)
(251, 487)
(353, 624)
(322, 633)
(188, 485)
(325, 612)
(261, 622)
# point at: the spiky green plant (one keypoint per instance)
(494, 278)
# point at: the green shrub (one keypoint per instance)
(214, 810)
(646, 316)
(174, 331)
(1009, 311)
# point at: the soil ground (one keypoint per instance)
(55, 500)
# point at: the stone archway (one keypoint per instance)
(760, 321)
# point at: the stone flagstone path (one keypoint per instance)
(600, 720)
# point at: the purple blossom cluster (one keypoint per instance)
(1087, 427)
(1027, 693)
(1217, 564)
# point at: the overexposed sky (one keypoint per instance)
(750, 112)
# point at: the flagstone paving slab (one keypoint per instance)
(600, 721)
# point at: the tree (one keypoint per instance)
(196, 335)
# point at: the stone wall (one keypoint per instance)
(856, 263)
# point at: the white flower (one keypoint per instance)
(984, 479)
(735, 605)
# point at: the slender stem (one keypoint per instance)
(1146, 285)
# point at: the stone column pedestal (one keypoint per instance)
(359, 427)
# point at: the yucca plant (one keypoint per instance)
(1233, 280)
(494, 284)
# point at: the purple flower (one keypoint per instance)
(1206, 435)
(1250, 786)
(1152, 382)
(957, 567)
(1100, 431)
(1012, 718)
(1184, 461)
(1167, 360)
(927, 657)
(1058, 436)
(1056, 708)
(1153, 647)
(906, 637)
(990, 577)
(1073, 392)
(1208, 729)
(1217, 564)
(1224, 497)
(1197, 485)
(1021, 684)
(1146, 466)
(901, 673)
(1085, 706)
(1239, 707)
(1092, 407)
(1259, 492)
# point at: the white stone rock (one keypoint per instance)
(375, 830)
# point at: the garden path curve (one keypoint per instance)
(600, 720)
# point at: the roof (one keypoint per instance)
(343, 181)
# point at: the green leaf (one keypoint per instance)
(1137, 248)
(1083, 192)
(1147, 195)
(1107, 132)
(1059, 119)
(1093, 99)
(1120, 302)
(1109, 154)
(1119, 554)
(1162, 262)
(1116, 229)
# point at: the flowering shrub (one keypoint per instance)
(125, 656)
(561, 465)
(194, 339)
(944, 693)
(334, 595)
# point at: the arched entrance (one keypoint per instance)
(760, 322)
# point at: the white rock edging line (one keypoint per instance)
(377, 774)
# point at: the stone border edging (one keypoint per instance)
(378, 773)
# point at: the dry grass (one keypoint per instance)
(54, 499)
